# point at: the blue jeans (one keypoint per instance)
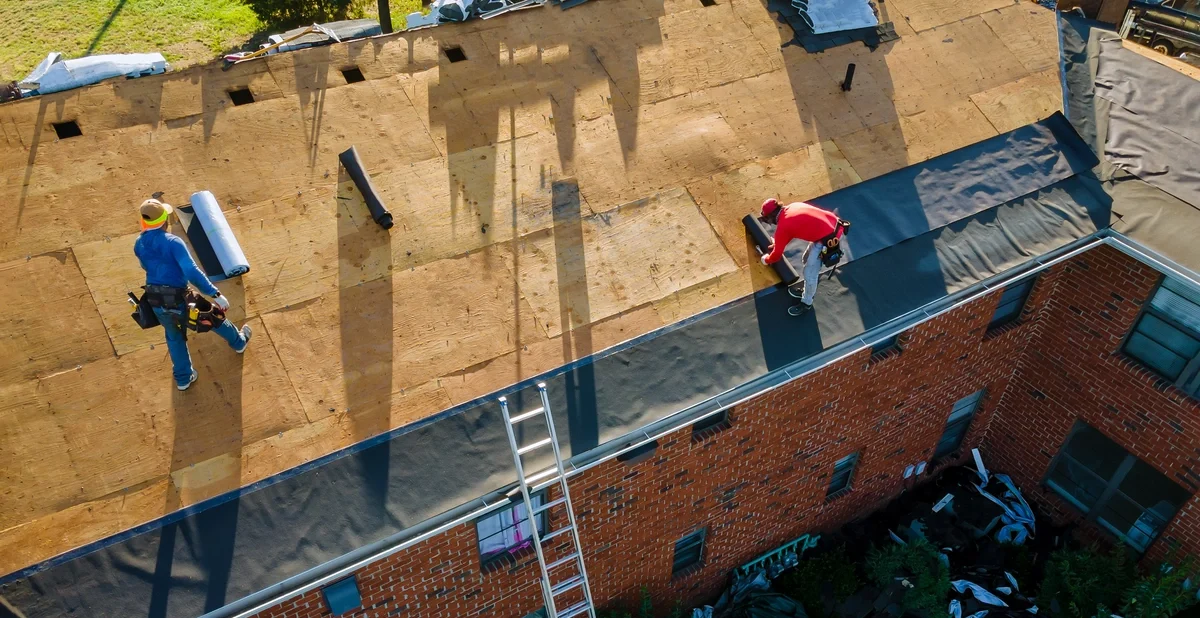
(172, 321)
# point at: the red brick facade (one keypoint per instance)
(762, 481)
(1073, 369)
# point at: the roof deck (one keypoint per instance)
(577, 181)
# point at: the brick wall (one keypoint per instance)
(762, 481)
(1073, 369)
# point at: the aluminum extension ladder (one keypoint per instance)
(554, 475)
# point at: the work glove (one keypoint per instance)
(764, 259)
(220, 301)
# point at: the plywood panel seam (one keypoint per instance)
(424, 125)
(975, 104)
(711, 227)
(95, 305)
(278, 356)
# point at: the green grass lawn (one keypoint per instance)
(185, 31)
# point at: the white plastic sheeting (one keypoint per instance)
(981, 594)
(1018, 518)
(836, 15)
(54, 74)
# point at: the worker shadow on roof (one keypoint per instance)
(575, 314)
(365, 310)
(206, 461)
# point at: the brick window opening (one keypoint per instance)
(342, 596)
(241, 97)
(508, 531)
(892, 346)
(843, 473)
(1166, 337)
(639, 454)
(1012, 301)
(1120, 492)
(957, 425)
(689, 553)
(455, 54)
(67, 129)
(704, 429)
(353, 75)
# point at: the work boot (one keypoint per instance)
(245, 338)
(184, 387)
(799, 309)
(796, 290)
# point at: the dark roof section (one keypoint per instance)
(1145, 119)
(960, 224)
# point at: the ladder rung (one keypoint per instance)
(549, 505)
(551, 471)
(566, 585)
(577, 609)
(526, 415)
(561, 561)
(558, 532)
(533, 447)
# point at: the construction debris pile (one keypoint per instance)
(973, 529)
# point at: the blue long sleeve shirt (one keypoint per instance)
(166, 260)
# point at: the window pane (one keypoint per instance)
(1137, 525)
(1148, 487)
(715, 420)
(957, 424)
(886, 344)
(843, 472)
(951, 439)
(343, 596)
(1075, 481)
(1016, 292)
(966, 406)
(688, 551)
(1012, 299)
(1177, 341)
(1156, 357)
(1180, 302)
(1096, 452)
(1006, 312)
(508, 529)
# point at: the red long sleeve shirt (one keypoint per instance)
(803, 221)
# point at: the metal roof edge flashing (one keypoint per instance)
(351, 562)
(1150, 257)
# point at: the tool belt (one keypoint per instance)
(165, 296)
(199, 313)
(831, 245)
(202, 316)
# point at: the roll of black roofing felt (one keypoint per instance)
(358, 174)
(762, 239)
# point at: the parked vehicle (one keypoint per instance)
(1171, 28)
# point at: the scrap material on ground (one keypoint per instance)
(561, 181)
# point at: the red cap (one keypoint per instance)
(769, 206)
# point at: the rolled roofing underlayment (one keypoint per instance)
(1111, 92)
(212, 239)
(957, 227)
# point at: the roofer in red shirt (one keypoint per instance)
(820, 228)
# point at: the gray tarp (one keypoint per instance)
(1143, 116)
(1153, 120)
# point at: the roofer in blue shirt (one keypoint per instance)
(169, 268)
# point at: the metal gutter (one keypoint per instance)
(1150, 257)
(339, 568)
